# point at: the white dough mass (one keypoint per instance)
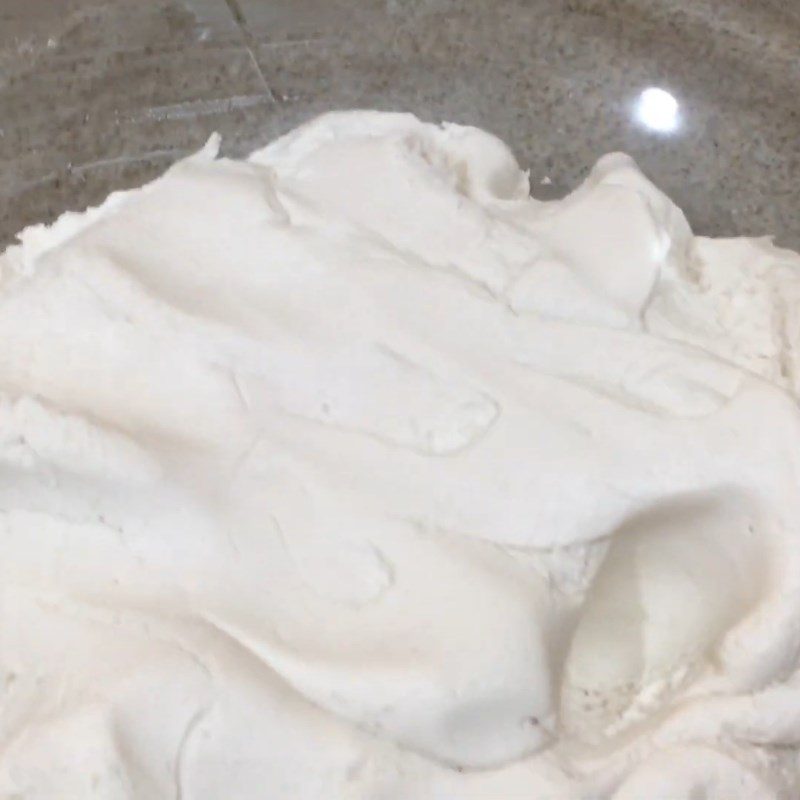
(350, 471)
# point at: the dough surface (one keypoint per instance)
(351, 471)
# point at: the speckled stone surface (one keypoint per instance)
(104, 94)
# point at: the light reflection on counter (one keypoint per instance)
(657, 110)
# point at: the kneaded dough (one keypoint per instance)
(350, 471)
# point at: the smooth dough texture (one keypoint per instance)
(350, 471)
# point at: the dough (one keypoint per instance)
(351, 471)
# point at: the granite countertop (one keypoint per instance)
(103, 94)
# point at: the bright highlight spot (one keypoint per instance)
(657, 110)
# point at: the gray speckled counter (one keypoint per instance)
(103, 94)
